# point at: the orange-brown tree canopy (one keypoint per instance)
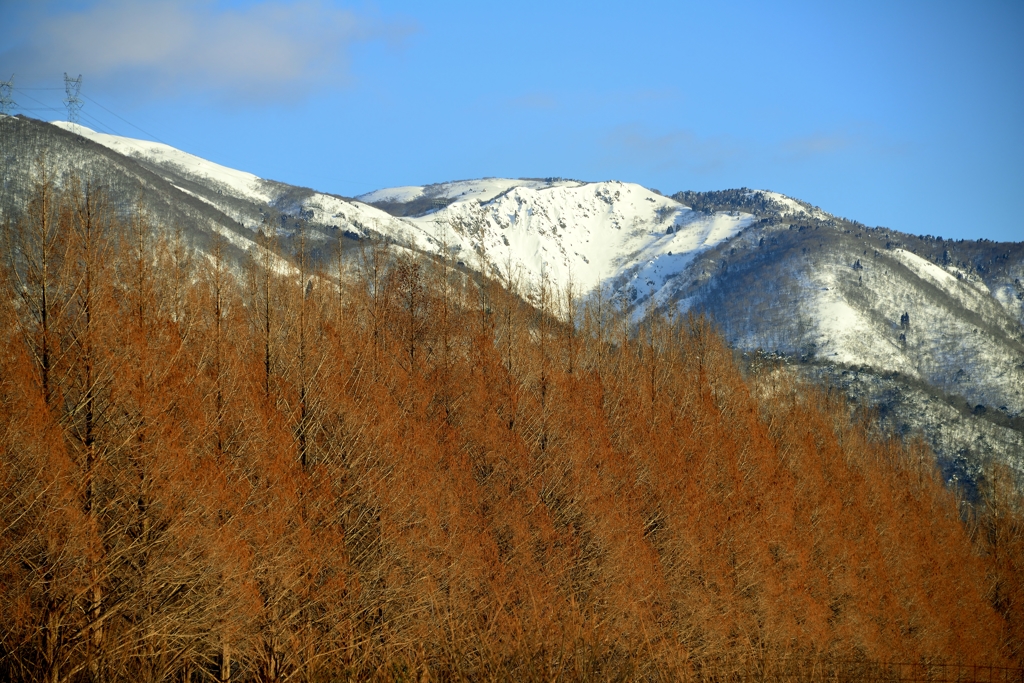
(393, 469)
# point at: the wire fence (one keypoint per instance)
(853, 671)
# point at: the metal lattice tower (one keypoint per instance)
(73, 86)
(6, 103)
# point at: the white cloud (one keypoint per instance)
(675, 149)
(268, 49)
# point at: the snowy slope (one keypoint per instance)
(481, 190)
(652, 250)
(940, 345)
(775, 272)
(244, 197)
(817, 292)
(238, 183)
(789, 207)
(358, 219)
(587, 233)
(561, 229)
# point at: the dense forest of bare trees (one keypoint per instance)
(387, 469)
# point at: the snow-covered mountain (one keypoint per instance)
(940, 317)
(566, 230)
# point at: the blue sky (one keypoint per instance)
(903, 114)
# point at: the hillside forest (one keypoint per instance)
(378, 466)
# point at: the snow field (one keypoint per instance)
(591, 234)
(241, 184)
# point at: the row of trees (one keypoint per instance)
(392, 470)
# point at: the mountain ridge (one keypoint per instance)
(776, 273)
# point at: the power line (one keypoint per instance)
(107, 128)
(124, 119)
(74, 104)
(77, 81)
(99, 125)
(45, 107)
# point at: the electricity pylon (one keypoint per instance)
(73, 86)
(6, 103)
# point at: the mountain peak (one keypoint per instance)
(776, 273)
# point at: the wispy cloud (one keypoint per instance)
(534, 100)
(635, 144)
(817, 144)
(861, 138)
(683, 149)
(569, 99)
(268, 50)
